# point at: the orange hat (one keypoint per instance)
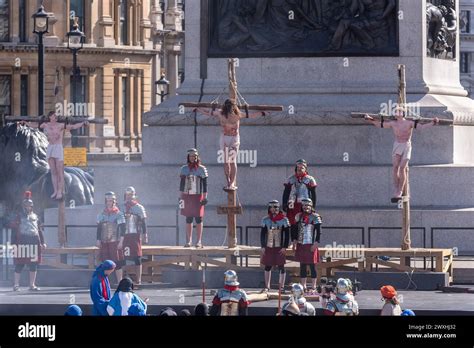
(388, 292)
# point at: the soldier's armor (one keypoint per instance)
(29, 225)
(193, 179)
(230, 301)
(109, 226)
(299, 190)
(108, 232)
(349, 308)
(306, 231)
(274, 231)
(303, 305)
(133, 217)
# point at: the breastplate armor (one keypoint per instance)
(305, 233)
(131, 223)
(230, 309)
(192, 185)
(29, 225)
(274, 238)
(109, 230)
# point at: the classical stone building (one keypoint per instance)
(467, 44)
(129, 44)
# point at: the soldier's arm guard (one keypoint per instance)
(99, 230)
(143, 222)
(286, 236)
(263, 236)
(121, 230)
(317, 232)
(204, 185)
(312, 195)
(286, 196)
(181, 183)
(294, 232)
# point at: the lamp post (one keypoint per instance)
(41, 26)
(75, 43)
(163, 87)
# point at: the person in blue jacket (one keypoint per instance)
(100, 288)
(124, 298)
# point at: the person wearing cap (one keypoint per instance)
(231, 300)
(111, 232)
(344, 303)
(274, 240)
(193, 189)
(306, 234)
(124, 298)
(401, 152)
(229, 117)
(299, 186)
(27, 234)
(73, 311)
(391, 305)
(297, 303)
(135, 231)
(100, 288)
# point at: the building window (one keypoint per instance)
(5, 96)
(123, 18)
(124, 107)
(24, 95)
(465, 21)
(77, 9)
(78, 97)
(22, 21)
(464, 63)
(4, 20)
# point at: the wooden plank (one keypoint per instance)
(334, 264)
(439, 259)
(221, 263)
(250, 107)
(225, 210)
(59, 265)
(421, 120)
(395, 265)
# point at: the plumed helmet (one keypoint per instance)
(306, 201)
(342, 286)
(274, 204)
(110, 195)
(230, 278)
(27, 201)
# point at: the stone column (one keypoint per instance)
(145, 26)
(173, 51)
(138, 103)
(131, 95)
(33, 91)
(16, 91)
(173, 17)
(14, 21)
(91, 98)
(117, 121)
(107, 31)
(58, 23)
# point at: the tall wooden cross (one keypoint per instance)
(60, 119)
(233, 208)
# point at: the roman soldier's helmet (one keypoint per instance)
(27, 201)
(297, 291)
(306, 201)
(301, 162)
(130, 191)
(230, 278)
(110, 195)
(274, 204)
(343, 286)
(193, 152)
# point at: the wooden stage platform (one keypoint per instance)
(354, 259)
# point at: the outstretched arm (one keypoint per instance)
(254, 114)
(207, 113)
(77, 125)
(434, 122)
(377, 123)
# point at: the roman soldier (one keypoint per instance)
(344, 304)
(306, 234)
(193, 188)
(274, 239)
(297, 303)
(135, 231)
(27, 235)
(230, 301)
(299, 186)
(110, 233)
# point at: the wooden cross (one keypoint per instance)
(232, 209)
(60, 119)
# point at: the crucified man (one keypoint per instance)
(229, 117)
(401, 153)
(55, 153)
